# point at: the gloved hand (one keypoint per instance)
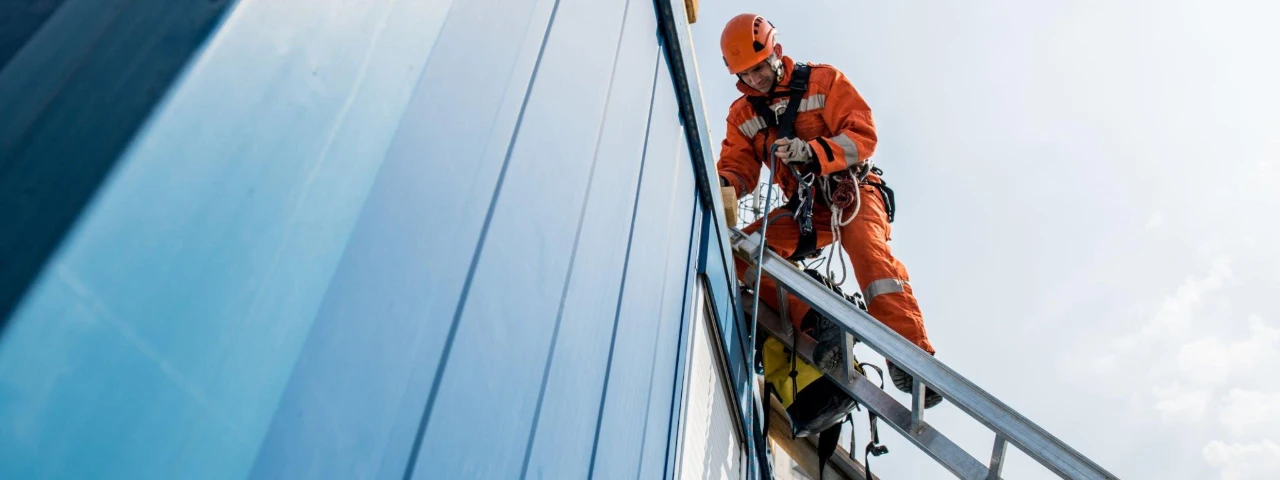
(793, 150)
(730, 198)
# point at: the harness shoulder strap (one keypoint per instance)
(785, 123)
(799, 84)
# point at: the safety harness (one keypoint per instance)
(801, 205)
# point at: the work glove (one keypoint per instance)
(730, 197)
(793, 151)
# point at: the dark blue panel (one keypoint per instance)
(672, 322)
(187, 290)
(355, 402)
(72, 99)
(723, 293)
(565, 430)
(626, 401)
(480, 423)
(19, 20)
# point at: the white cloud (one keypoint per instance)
(1174, 374)
(1250, 413)
(1205, 360)
(1178, 404)
(1210, 361)
(1253, 461)
(1156, 220)
(1169, 324)
(1204, 365)
(1176, 312)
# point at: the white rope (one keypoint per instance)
(838, 223)
(764, 230)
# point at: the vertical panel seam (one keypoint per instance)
(573, 257)
(475, 257)
(626, 264)
(691, 274)
(662, 299)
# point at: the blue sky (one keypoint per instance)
(1088, 197)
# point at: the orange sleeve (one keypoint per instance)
(848, 115)
(738, 163)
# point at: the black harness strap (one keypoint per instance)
(827, 442)
(806, 244)
(802, 205)
(886, 194)
(768, 395)
(785, 123)
(799, 84)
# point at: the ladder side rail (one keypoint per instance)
(1048, 450)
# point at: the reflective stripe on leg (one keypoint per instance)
(881, 287)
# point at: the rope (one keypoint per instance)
(764, 230)
(846, 194)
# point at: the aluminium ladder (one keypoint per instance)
(1008, 425)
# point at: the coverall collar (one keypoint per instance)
(787, 65)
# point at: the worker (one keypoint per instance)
(824, 150)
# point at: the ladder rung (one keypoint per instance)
(917, 405)
(997, 458)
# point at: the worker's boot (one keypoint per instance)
(904, 382)
(827, 353)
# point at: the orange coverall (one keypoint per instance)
(837, 124)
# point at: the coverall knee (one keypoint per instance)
(883, 279)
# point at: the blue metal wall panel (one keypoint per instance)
(358, 397)
(182, 299)
(672, 321)
(675, 29)
(72, 97)
(378, 239)
(626, 402)
(508, 319)
(564, 434)
(724, 297)
(19, 20)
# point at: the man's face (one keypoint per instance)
(761, 76)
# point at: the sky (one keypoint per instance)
(1087, 203)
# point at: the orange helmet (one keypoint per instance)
(748, 39)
